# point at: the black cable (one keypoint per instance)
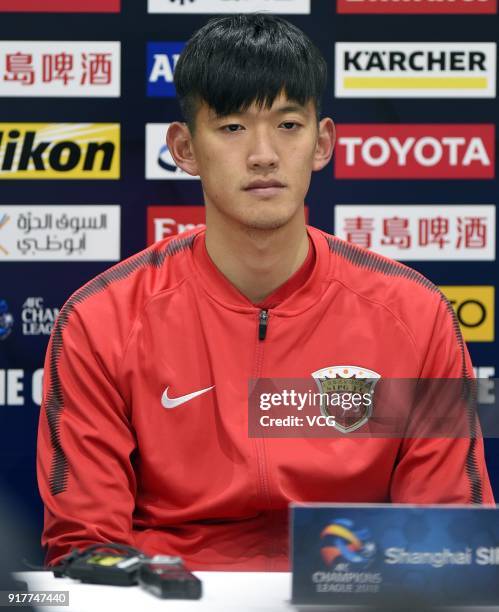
(60, 569)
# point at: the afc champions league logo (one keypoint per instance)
(6, 320)
(341, 542)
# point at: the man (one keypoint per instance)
(144, 427)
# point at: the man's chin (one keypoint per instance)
(267, 220)
(265, 224)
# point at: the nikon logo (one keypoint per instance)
(59, 151)
(415, 70)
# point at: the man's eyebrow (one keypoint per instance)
(282, 110)
(291, 108)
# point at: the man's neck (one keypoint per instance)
(257, 262)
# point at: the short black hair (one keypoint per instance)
(237, 60)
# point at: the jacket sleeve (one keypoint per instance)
(85, 442)
(449, 470)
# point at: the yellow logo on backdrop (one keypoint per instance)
(59, 151)
(474, 308)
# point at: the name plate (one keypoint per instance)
(381, 554)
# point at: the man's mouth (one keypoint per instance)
(264, 188)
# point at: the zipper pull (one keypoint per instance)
(262, 326)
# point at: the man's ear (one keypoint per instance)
(179, 142)
(325, 144)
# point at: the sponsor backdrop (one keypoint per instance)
(86, 96)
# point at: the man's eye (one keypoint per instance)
(289, 125)
(232, 127)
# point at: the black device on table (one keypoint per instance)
(167, 578)
(120, 565)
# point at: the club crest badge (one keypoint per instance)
(347, 395)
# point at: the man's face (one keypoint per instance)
(255, 166)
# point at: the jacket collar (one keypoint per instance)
(297, 294)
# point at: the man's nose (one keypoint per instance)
(262, 151)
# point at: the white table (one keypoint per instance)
(222, 592)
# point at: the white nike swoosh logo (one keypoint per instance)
(173, 402)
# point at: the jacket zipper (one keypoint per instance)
(259, 443)
(263, 324)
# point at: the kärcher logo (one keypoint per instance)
(415, 70)
(417, 60)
